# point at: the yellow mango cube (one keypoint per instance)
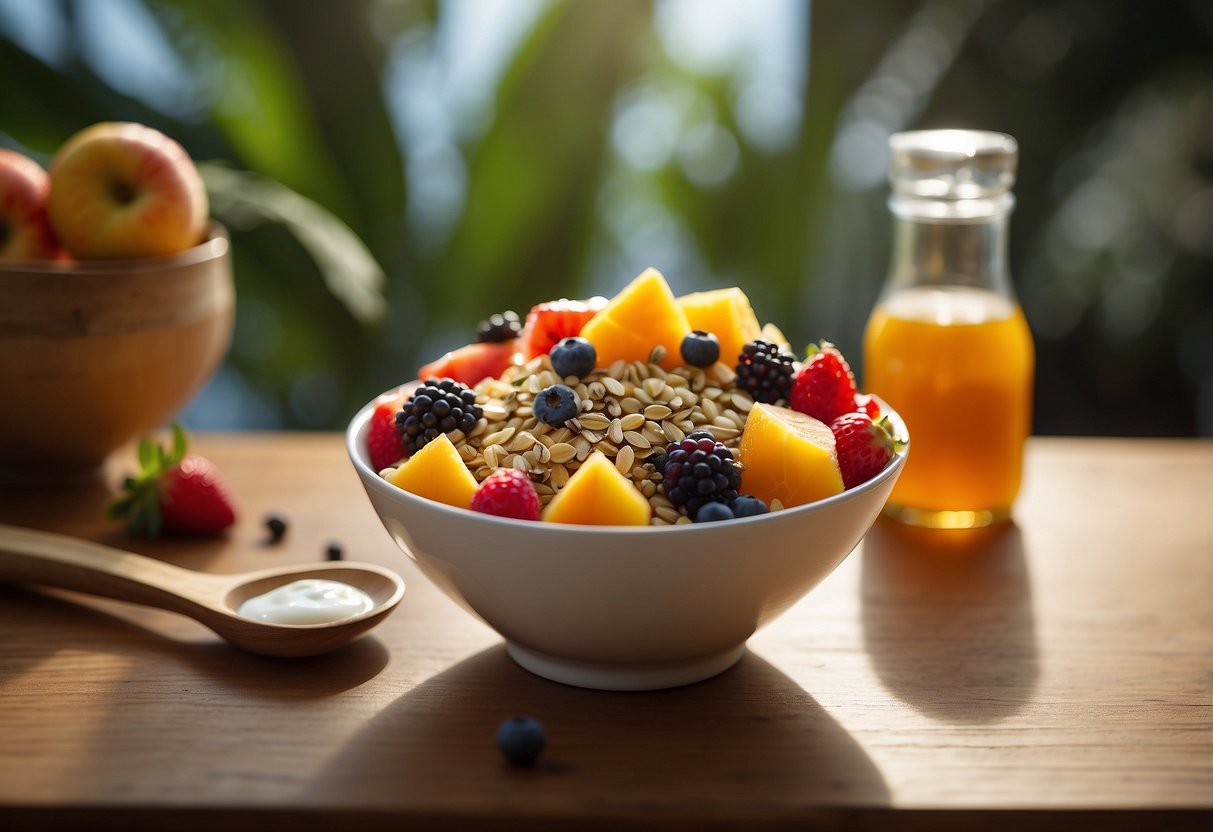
(727, 314)
(788, 456)
(598, 495)
(437, 473)
(643, 315)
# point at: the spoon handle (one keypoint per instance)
(35, 557)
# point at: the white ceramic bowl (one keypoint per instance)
(623, 608)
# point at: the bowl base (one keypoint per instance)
(21, 476)
(624, 676)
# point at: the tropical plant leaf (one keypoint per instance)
(348, 268)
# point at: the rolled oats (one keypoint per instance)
(628, 411)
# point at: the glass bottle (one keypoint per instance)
(947, 344)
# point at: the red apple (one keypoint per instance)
(25, 231)
(122, 190)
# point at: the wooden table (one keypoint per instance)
(1054, 674)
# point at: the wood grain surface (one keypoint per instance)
(1056, 673)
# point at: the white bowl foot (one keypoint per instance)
(624, 676)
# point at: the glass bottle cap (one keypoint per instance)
(952, 164)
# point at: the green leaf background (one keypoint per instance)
(342, 293)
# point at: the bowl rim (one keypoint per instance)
(216, 243)
(368, 474)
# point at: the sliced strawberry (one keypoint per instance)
(383, 439)
(869, 404)
(174, 492)
(473, 363)
(864, 447)
(548, 323)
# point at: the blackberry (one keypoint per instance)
(498, 328)
(440, 405)
(699, 471)
(765, 371)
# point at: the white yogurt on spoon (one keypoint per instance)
(308, 601)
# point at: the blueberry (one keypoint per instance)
(276, 524)
(747, 506)
(700, 349)
(334, 551)
(555, 405)
(711, 512)
(658, 462)
(521, 739)
(573, 356)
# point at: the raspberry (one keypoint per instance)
(507, 493)
(699, 471)
(825, 387)
(440, 405)
(864, 447)
(765, 371)
(383, 440)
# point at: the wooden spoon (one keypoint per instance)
(34, 557)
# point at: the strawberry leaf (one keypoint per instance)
(179, 444)
(149, 452)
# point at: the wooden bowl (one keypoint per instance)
(93, 354)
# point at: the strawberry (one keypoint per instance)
(864, 447)
(471, 364)
(869, 404)
(824, 388)
(383, 440)
(174, 492)
(548, 323)
(507, 493)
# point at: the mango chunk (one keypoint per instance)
(727, 314)
(788, 456)
(643, 315)
(437, 473)
(598, 495)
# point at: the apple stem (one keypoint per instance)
(122, 193)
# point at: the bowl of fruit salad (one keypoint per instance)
(626, 490)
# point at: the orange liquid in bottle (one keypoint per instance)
(957, 364)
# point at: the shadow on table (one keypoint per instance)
(748, 740)
(948, 621)
(88, 626)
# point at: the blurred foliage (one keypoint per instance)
(600, 149)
